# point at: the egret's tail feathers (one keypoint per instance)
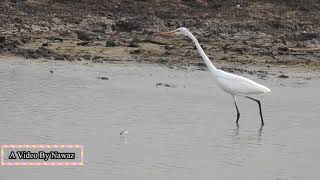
(266, 90)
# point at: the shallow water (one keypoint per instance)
(186, 131)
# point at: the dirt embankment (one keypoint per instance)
(235, 32)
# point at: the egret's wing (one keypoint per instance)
(239, 85)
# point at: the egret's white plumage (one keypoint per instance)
(233, 84)
(238, 85)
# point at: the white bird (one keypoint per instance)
(232, 84)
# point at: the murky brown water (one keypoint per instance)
(181, 132)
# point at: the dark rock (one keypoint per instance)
(304, 36)
(201, 64)
(168, 53)
(43, 52)
(262, 72)
(36, 53)
(54, 38)
(68, 34)
(45, 44)
(249, 72)
(2, 39)
(163, 60)
(168, 47)
(231, 70)
(277, 41)
(110, 43)
(97, 59)
(59, 58)
(137, 51)
(8, 44)
(262, 76)
(85, 36)
(87, 57)
(283, 48)
(84, 43)
(127, 25)
(30, 54)
(25, 40)
(314, 41)
(134, 42)
(283, 76)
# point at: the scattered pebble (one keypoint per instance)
(87, 57)
(85, 36)
(136, 51)
(168, 47)
(110, 43)
(84, 43)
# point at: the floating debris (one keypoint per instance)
(103, 78)
(124, 132)
(165, 84)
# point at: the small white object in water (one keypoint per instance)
(124, 132)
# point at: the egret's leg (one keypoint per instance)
(238, 114)
(256, 100)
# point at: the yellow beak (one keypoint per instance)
(167, 34)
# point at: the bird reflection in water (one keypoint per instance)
(236, 133)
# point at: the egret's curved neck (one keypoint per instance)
(205, 58)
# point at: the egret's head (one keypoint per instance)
(179, 31)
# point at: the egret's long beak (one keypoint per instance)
(167, 34)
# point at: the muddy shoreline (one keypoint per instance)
(248, 37)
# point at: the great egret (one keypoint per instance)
(230, 83)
